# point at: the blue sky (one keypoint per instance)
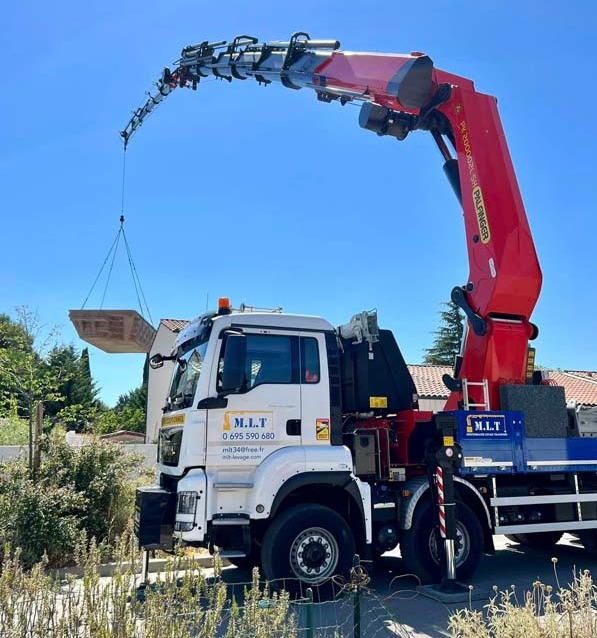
(266, 195)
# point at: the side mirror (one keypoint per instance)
(235, 356)
(157, 361)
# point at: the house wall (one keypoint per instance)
(147, 452)
(158, 382)
(587, 421)
(433, 405)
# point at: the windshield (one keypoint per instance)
(186, 376)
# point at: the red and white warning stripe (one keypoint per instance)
(439, 477)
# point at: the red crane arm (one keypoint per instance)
(402, 93)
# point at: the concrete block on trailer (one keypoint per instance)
(544, 407)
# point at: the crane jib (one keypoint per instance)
(406, 82)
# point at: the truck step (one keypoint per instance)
(232, 553)
(231, 519)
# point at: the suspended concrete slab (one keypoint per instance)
(114, 330)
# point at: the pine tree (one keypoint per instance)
(84, 391)
(448, 336)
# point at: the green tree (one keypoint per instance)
(130, 411)
(136, 398)
(13, 339)
(26, 378)
(85, 390)
(78, 403)
(65, 360)
(446, 344)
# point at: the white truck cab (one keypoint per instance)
(250, 421)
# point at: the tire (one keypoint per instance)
(422, 548)
(307, 544)
(542, 540)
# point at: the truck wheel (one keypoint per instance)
(307, 544)
(543, 540)
(422, 547)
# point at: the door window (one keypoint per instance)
(309, 360)
(269, 360)
(275, 359)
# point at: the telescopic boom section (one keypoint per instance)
(401, 93)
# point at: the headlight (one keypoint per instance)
(182, 527)
(187, 502)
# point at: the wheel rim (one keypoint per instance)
(314, 555)
(462, 545)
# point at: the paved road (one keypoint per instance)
(423, 617)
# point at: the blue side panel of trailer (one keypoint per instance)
(495, 443)
(492, 442)
(555, 455)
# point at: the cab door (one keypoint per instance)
(315, 390)
(264, 414)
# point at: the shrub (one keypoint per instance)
(187, 606)
(101, 473)
(79, 493)
(38, 521)
(565, 612)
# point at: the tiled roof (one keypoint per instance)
(580, 387)
(428, 380)
(176, 325)
(586, 374)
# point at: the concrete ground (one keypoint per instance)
(394, 596)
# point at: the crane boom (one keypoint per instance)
(401, 93)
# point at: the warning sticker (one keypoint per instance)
(378, 402)
(322, 429)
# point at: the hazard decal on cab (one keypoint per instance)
(322, 429)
